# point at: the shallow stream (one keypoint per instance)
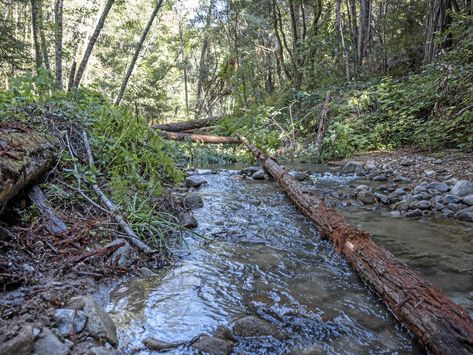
(263, 258)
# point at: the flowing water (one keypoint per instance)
(263, 258)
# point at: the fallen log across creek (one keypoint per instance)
(187, 125)
(439, 324)
(201, 138)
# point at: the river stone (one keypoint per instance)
(124, 255)
(395, 214)
(366, 197)
(462, 188)
(212, 345)
(396, 194)
(297, 175)
(259, 175)
(99, 324)
(21, 344)
(454, 207)
(451, 199)
(147, 272)
(69, 321)
(250, 170)
(465, 214)
(420, 204)
(49, 344)
(438, 206)
(192, 181)
(414, 213)
(223, 332)
(188, 220)
(103, 350)
(158, 345)
(399, 178)
(407, 162)
(250, 326)
(383, 198)
(468, 200)
(420, 188)
(437, 161)
(439, 186)
(193, 201)
(360, 188)
(421, 196)
(380, 178)
(401, 206)
(353, 167)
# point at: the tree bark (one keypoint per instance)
(44, 44)
(440, 325)
(58, 39)
(177, 136)
(187, 125)
(322, 126)
(137, 52)
(54, 224)
(35, 30)
(24, 157)
(438, 21)
(92, 41)
(184, 66)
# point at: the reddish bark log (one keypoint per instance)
(187, 125)
(176, 136)
(439, 324)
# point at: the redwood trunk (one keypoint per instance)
(176, 136)
(187, 125)
(440, 325)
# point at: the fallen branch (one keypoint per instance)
(439, 324)
(98, 252)
(187, 125)
(134, 239)
(200, 138)
(54, 224)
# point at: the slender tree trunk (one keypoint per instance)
(137, 52)
(184, 64)
(58, 39)
(438, 21)
(72, 73)
(35, 28)
(92, 41)
(322, 126)
(44, 44)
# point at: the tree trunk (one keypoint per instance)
(184, 64)
(24, 157)
(72, 73)
(92, 41)
(58, 39)
(440, 325)
(44, 44)
(438, 20)
(176, 136)
(35, 29)
(137, 52)
(322, 126)
(187, 125)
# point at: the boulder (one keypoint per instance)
(381, 197)
(193, 201)
(454, 207)
(401, 206)
(188, 220)
(297, 175)
(259, 175)
(465, 214)
(250, 170)
(407, 162)
(99, 324)
(21, 344)
(421, 196)
(250, 326)
(49, 344)
(158, 345)
(468, 200)
(451, 199)
(213, 345)
(362, 188)
(193, 181)
(396, 194)
(420, 188)
(69, 321)
(439, 186)
(462, 188)
(438, 206)
(367, 197)
(353, 167)
(414, 213)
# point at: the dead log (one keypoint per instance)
(176, 136)
(187, 125)
(54, 224)
(322, 126)
(25, 156)
(439, 324)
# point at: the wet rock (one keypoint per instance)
(396, 194)
(353, 167)
(401, 206)
(465, 214)
(259, 175)
(380, 178)
(297, 175)
(212, 345)
(451, 182)
(468, 200)
(188, 220)
(420, 204)
(414, 213)
(367, 197)
(146, 272)
(104, 350)
(383, 188)
(99, 324)
(250, 326)
(403, 179)
(158, 345)
(69, 321)
(250, 170)
(421, 196)
(455, 207)
(451, 199)
(124, 255)
(21, 344)
(193, 201)
(440, 186)
(370, 166)
(192, 181)
(49, 344)
(395, 214)
(381, 197)
(224, 333)
(462, 188)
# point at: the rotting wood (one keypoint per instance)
(25, 156)
(130, 234)
(176, 136)
(187, 125)
(54, 224)
(440, 325)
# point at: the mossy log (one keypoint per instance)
(201, 138)
(187, 125)
(25, 156)
(439, 324)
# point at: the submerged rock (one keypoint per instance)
(49, 344)
(250, 326)
(158, 345)
(213, 345)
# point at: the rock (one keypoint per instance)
(259, 175)
(440, 186)
(192, 181)
(451, 182)
(362, 188)
(395, 214)
(193, 201)
(370, 166)
(405, 180)
(21, 344)
(437, 161)
(124, 255)
(468, 200)
(224, 333)
(250, 170)
(454, 207)
(103, 350)
(380, 178)
(414, 213)
(212, 345)
(383, 188)
(465, 214)
(462, 188)
(438, 206)
(430, 173)
(451, 199)
(158, 345)
(407, 162)
(188, 220)
(146, 272)
(433, 192)
(426, 213)
(396, 194)
(250, 326)
(447, 213)
(420, 204)
(401, 206)
(297, 175)
(353, 167)
(366, 197)
(421, 196)
(99, 324)
(49, 344)
(383, 198)
(420, 188)
(69, 321)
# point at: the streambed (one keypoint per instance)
(265, 259)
